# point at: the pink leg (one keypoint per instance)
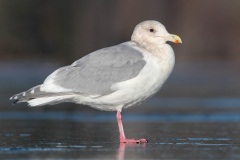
(122, 137)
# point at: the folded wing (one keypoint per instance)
(95, 73)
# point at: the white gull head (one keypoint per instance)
(152, 33)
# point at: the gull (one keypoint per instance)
(112, 78)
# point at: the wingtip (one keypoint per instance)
(15, 102)
(14, 99)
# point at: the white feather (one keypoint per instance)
(50, 86)
(32, 91)
(49, 100)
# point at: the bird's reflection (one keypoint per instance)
(124, 146)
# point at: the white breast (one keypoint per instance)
(149, 80)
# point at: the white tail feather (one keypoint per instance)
(49, 100)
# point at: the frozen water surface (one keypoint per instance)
(94, 135)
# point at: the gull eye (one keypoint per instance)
(151, 30)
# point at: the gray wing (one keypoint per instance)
(95, 73)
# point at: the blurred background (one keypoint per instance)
(37, 37)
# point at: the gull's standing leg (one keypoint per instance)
(122, 137)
